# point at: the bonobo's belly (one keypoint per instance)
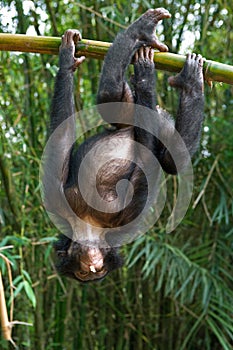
(104, 184)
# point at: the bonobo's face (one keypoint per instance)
(90, 262)
(85, 261)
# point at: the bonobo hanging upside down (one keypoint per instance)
(89, 253)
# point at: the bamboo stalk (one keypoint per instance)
(97, 49)
(5, 324)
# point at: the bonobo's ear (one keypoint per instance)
(113, 259)
(61, 253)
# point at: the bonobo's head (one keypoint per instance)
(85, 262)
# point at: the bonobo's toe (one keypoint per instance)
(144, 55)
(191, 73)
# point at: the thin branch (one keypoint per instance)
(90, 9)
(213, 71)
(206, 183)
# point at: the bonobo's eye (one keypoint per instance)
(83, 273)
(90, 275)
(102, 271)
(61, 253)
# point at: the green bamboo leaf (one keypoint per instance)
(136, 258)
(26, 274)
(192, 331)
(219, 334)
(152, 260)
(17, 279)
(18, 288)
(185, 284)
(30, 293)
(223, 322)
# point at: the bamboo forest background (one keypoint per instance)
(175, 291)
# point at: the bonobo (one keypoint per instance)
(89, 253)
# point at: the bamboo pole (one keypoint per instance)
(213, 71)
(5, 324)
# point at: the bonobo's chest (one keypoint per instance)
(98, 166)
(105, 160)
(100, 181)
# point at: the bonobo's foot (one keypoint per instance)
(191, 76)
(67, 50)
(143, 67)
(144, 28)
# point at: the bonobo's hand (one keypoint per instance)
(67, 50)
(144, 28)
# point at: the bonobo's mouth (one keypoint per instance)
(92, 274)
(94, 267)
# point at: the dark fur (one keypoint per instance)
(114, 88)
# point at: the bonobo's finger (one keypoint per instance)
(71, 37)
(151, 55)
(161, 13)
(153, 16)
(77, 36)
(155, 43)
(135, 58)
(141, 53)
(146, 52)
(201, 60)
(81, 59)
(193, 56)
(78, 61)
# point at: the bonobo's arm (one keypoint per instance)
(62, 135)
(62, 103)
(113, 86)
(190, 113)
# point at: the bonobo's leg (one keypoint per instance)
(143, 79)
(190, 112)
(113, 86)
(143, 82)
